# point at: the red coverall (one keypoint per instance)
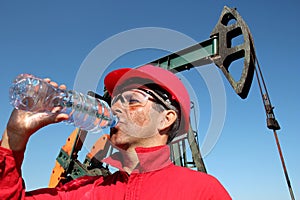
(156, 177)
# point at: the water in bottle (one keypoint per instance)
(30, 93)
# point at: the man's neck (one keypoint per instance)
(130, 157)
(130, 160)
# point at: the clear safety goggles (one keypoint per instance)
(140, 97)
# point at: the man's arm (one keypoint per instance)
(21, 125)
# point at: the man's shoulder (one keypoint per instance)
(188, 170)
(197, 182)
(188, 173)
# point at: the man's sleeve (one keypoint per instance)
(11, 182)
(12, 186)
(217, 190)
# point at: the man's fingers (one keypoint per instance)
(48, 80)
(54, 84)
(61, 117)
(63, 87)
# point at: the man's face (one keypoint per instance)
(138, 123)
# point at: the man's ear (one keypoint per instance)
(169, 117)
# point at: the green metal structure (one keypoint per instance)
(218, 49)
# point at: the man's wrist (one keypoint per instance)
(13, 141)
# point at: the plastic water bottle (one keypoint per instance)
(30, 93)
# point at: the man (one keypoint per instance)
(153, 107)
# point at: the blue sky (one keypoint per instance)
(54, 38)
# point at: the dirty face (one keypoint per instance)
(138, 123)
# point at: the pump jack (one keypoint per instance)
(217, 49)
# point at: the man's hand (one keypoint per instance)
(23, 124)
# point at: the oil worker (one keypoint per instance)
(153, 107)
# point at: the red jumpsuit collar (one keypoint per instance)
(150, 159)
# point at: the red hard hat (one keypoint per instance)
(162, 77)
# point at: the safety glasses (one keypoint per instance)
(140, 97)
